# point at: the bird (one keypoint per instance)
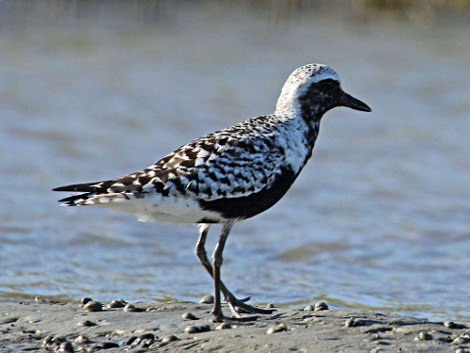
(228, 175)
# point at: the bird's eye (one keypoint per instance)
(328, 84)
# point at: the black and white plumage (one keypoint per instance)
(228, 175)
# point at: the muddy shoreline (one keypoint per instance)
(44, 325)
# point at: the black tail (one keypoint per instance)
(76, 199)
(88, 189)
(119, 185)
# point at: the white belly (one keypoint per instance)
(156, 208)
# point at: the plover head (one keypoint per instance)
(312, 90)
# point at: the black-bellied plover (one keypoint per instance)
(228, 175)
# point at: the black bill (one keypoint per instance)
(349, 101)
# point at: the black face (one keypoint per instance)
(320, 97)
(325, 95)
(328, 85)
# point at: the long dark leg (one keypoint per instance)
(202, 256)
(217, 261)
(236, 305)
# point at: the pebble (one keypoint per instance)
(270, 306)
(108, 345)
(425, 336)
(115, 304)
(189, 316)
(319, 306)
(207, 299)
(66, 347)
(463, 339)
(131, 340)
(197, 329)
(85, 300)
(129, 308)
(277, 328)
(47, 340)
(352, 322)
(449, 324)
(147, 336)
(93, 306)
(57, 340)
(82, 339)
(224, 326)
(144, 340)
(86, 323)
(453, 325)
(376, 350)
(58, 343)
(132, 309)
(169, 338)
(309, 308)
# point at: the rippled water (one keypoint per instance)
(378, 219)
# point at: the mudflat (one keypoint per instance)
(89, 326)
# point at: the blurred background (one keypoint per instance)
(378, 219)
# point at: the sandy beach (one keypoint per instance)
(43, 325)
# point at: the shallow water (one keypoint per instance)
(378, 219)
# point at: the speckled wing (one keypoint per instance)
(220, 166)
(232, 163)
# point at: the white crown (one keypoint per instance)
(299, 81)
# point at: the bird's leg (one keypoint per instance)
(202, 256)
(236, 305)
(217, 260)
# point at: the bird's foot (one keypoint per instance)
(238, 306)
(216, 318)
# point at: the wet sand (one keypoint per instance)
(44, 325)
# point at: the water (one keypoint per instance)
(378, 219)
